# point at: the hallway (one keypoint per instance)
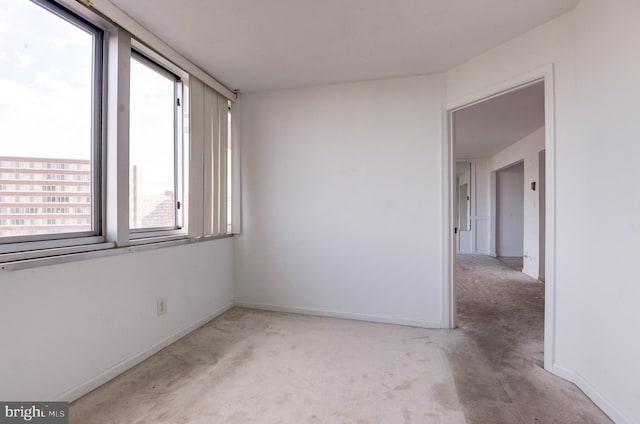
(501, 311)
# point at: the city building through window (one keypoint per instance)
(49, 98)
(81, 173)
(154, 147)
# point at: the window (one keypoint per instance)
(59, 192)
(154, 147)
(50, 80)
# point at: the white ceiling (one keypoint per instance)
(255, 45)
(484, 129)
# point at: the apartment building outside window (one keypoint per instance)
(61, 186)
(49, 114)
(155, 169)
(40, 205)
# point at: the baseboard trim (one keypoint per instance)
(122, 366)
(531, 274)
(562, 372)
(337, 314)
(591, 392)
(615, 414)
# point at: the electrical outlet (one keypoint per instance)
(162, 306)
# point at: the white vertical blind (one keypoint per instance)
(208, 199)
(195, 203)
(210, 144)
(221, 164)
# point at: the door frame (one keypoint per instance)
(545, 74)
(472, 207)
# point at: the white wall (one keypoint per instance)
(599, 234)
(510, 211)
(597, 84)
(68, 328)
(526, 150)
(342, 200)
(342, 215)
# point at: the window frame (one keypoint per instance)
(156, 63)
(96, 234)
(119, 35)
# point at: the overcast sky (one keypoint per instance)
(45, 84)
(45, 95)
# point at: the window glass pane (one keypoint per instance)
(46, 100)
(152, 148)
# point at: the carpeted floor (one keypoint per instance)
(501, 311)
(515, 262)
(259, 367)
(251, 366)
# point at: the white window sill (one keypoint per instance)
(45, 257)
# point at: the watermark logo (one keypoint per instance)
(34, 412)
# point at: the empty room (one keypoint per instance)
(299, 211)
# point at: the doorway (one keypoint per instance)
(509, 228)
(489, 217)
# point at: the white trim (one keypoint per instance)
(67, 250)
(149, 234)
(607, 407)
(9, 248)
(473, 192)
(338, 314)
(113, 13)
(547, 75)
(158, 60)
(592, 393)
(562, 372)
(79, 253)
(158, 237)
(448, 222)
(116, 172)
(100, 379)
(493, 213)
(496, 90)
(550, 219)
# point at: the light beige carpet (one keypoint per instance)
(515, 262)
(250, 366)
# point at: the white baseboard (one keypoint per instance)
(338, 314)
(531, 274)
(591, 392)
(561, 372)
(615, 414)
(100, 379)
